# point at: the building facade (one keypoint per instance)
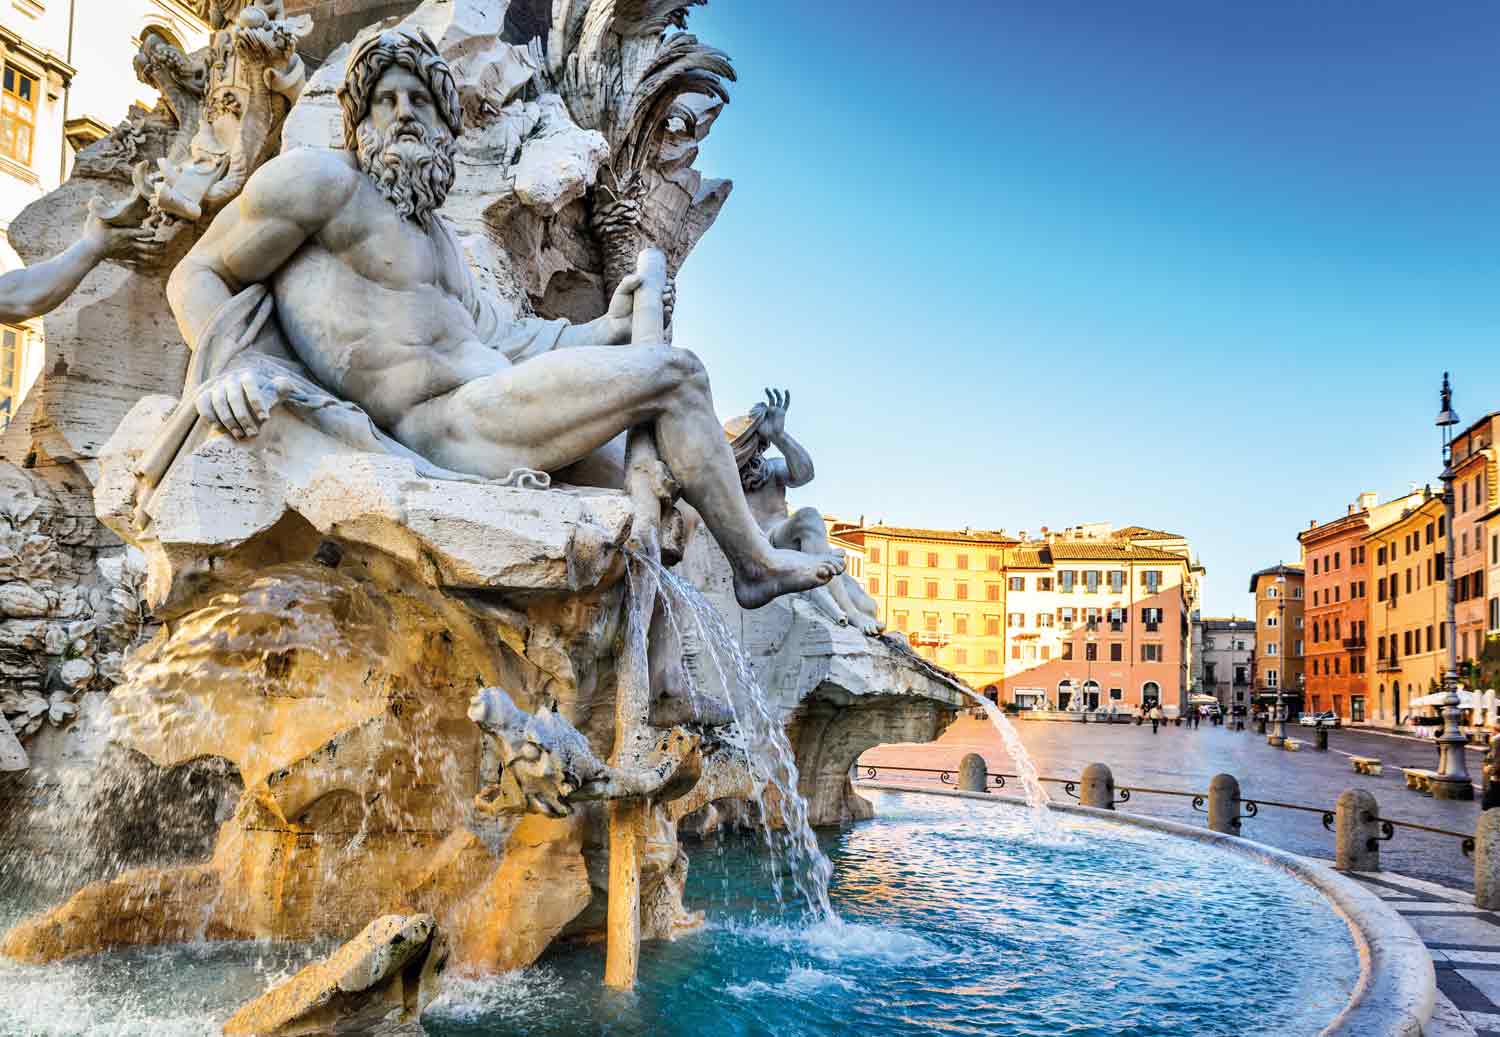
(1408, 605)
(1280, 636)
(1336, 564)
(1091, 611)
(68, 78)
(1474, 498)
(1224, 659)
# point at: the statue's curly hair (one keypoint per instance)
(414, 51)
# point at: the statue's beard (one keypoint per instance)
(413, 173)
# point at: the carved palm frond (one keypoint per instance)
(652, 17)
(682, 66)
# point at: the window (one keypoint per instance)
(1380, 556)
(10, 362)
(1439, 567)
(991, 626)
(1116, 581)
(1429, 639)
(930, 622)
(963, 561)
(992, 563)
(932, 560)
(1336, 563)
(1065, 617)
(1067, 650)
(960, 623)
(901, 589)
(1151, 578)
(991, 592)
(1406, 643)
(1296, 647)
(1315, 567)
(1273, 678)
(874, 584)
(874, 556)
(1117, 622)
(17, 114)
(1091, 581)
(1091, 651)
(1015, 651)
(1116, 694)
(902, 620)
(903, 558)
(1408, 581)
(1272, 619)
(1044, 619)
(1150, 653)
(1065, 580)
(1044, 583)
(1151, 617)
(1272, 648)
(961, 656)
(1015, 620)
(961, 590)
(1017, 583)
(1117, 654)
(1297, 593)
(1046, 651)
(1272, 592)
(931, 588)
(991, 657)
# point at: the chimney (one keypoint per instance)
(1368, 500)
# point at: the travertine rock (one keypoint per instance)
(377, 984)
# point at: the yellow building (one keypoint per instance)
(1280, 636)
(945, 589)
(1408, 605)
(1090, 610)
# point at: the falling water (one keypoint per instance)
(759, 723)
(1042, 821)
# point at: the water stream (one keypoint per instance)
(759, 726)
(1042, 821)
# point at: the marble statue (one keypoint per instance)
(374, 305)
(765, 481)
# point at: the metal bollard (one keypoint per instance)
(1224, 804)
(972, 773)
(1356, 832)
(1322, 737)
(1487, 860)
(1097, 787)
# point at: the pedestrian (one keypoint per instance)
(1156, 716)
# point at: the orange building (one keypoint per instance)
(1408, 605)
(1279, 636)
(1336, 565)
(1475, 487)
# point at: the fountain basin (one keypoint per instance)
(956, 918)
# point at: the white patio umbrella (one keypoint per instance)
(1466, 699)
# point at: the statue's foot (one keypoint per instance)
(787, 573)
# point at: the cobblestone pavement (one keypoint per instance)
(1185, 759)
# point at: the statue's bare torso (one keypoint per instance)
(399, 333)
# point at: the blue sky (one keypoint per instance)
(1191, 265)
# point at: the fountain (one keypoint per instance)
(334, 699)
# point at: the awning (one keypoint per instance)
(1202, 700)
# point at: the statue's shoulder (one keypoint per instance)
(304, 183)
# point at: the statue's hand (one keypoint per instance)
(621, 308)
(777, 402)
(126, 242)
(239, 401)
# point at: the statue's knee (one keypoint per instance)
(686, 370)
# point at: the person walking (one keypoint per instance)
(1156, 716)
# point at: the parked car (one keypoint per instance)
(1325, 719)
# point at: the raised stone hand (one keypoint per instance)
(777, 402)
(240, 400)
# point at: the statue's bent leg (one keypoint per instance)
(556, 409)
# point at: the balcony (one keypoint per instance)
(1354, 644)
(920, 638)
(1388, 666)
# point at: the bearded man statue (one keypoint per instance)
(333, 284)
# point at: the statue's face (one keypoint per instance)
(401, 100)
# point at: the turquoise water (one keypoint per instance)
(956, 921)
(959, 922)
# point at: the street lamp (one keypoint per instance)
(1452, 778)
(1277, 737)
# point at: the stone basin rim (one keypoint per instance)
(1396, 991)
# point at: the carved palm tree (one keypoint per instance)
(620, 72)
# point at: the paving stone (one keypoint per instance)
(1452, 929)
(1486, 981)
(1467, 956)
(1484, 1020)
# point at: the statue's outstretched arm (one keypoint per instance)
(34, 290)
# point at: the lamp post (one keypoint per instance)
(1452, 778)
(1277, 737)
